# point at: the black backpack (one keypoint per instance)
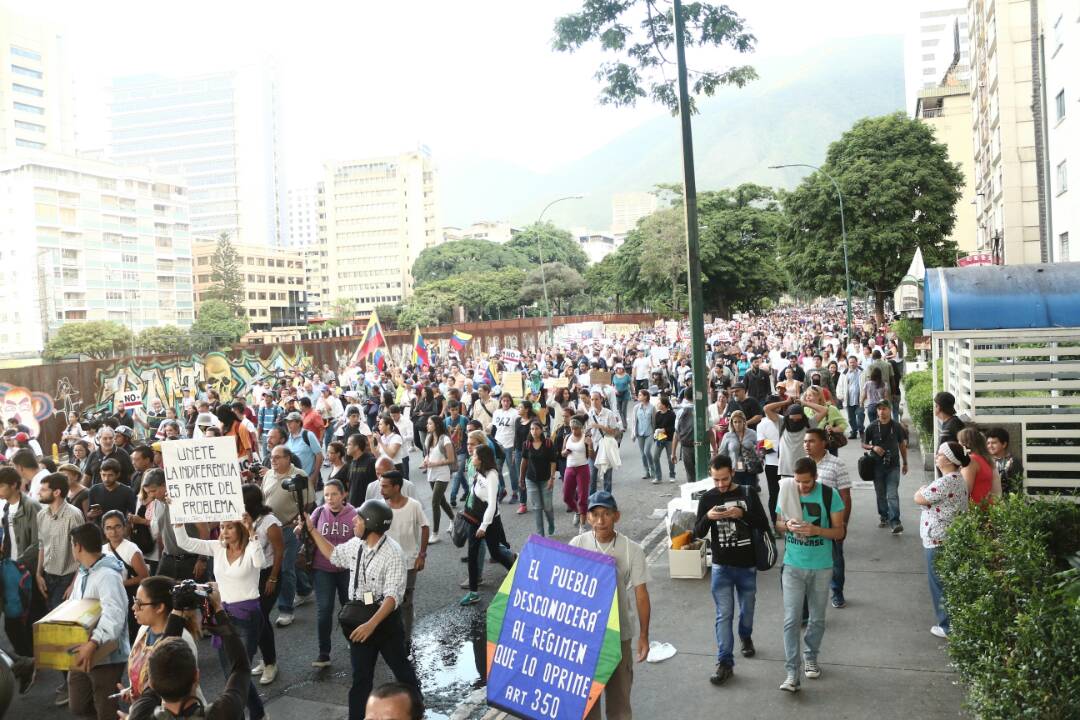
(140, 534)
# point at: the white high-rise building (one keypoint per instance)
(221, 133)
(83, 239)
(380, 214)
(35, 87)
(936, 28)
(629, 207)
(496, 231)
(1062, 48)
(303, 224)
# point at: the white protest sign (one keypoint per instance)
(203, 479)
(130, 399)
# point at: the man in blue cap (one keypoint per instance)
(632, 574)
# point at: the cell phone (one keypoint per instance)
(95, 507)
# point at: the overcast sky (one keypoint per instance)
(468, 79)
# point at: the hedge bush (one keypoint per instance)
(1015, 636)
(919, 393)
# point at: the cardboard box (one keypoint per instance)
(64, 629)
(687, 564)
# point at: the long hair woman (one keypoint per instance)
(981, 473)
(739, 444)
(440, 461)
(152, 606)
(576, 449)
(538, 470)
(238, 562)
(388, 441)
(268, 533)
(115, 525)
(334, 521)
(489, 528)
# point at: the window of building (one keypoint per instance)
(253, 312)
(1059, 102)
(32, 127)
(32, 144)
(24, 52)
(131, 276)
(1059, 33)
(1064, 239)
(27, 90)
(74, 314)
(251, 296)
(30, 72)
(251, 278)
(129, 258)
(1062, 178)
(203, 260)
(114, 295)
(33, 109)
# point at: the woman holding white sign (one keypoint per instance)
(238, 560)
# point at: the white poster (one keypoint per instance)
(203, 479)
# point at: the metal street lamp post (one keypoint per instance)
(543, 274)
(843, 233)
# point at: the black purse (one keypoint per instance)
(355, 613)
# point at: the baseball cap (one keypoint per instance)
(602, 498)
(294, 417)
(125, 431)
(739, 386)
(795, 409)
(885, 403)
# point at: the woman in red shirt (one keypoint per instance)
(981, 474)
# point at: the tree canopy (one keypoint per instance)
(563, 283)
(163, 339)
(641, 33)
(557, 245)
(216, 325)
(899, 191)
(96, 339)
(462, 256)
(227, 281)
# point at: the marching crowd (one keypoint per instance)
(332, 510)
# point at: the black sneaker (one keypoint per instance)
(722, 675)
(748, 649)
(898, 529)
(25, 673)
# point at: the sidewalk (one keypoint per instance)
(878, 657)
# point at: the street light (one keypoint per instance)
(843, 233)
(540, 252)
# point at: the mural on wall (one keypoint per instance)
(164, 381)
(32, 408)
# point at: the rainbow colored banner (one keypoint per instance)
(553, 637)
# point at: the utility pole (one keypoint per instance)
(693, 259)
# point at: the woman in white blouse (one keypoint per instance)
(118, 546)
(238, 560)
(488, 528)
(388, 441)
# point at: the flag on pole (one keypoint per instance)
(491, 374)
(420, 350)
(372, 339)
(458, 340)
(379, 359)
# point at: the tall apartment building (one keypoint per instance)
(84, 239)
(1061, 48)
(597, 245)
(273, 283)
(380, 214)
(221, 133)
(35, 87)
(1006, 178)
(303, 216)
(629, 207)
(496, 231)
(937, 28)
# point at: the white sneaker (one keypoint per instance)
(303, 599)
(938, 631)
(434, 539)
(257, 670)
(269, 675)
(283, 620)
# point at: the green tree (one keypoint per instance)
(163, 339)
(462, 256)
(422, 311)
(642, 34)
(388, 314)
(557, 244)
(604, 287)
(342, 311)
(899, 193)
(96, 339)
(563, 283)
(216, 325)
(227, 282)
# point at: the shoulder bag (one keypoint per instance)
(764, 544)
(355, 613)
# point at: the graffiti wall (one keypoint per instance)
(31, 408)
(165, 380)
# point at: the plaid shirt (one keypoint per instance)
(832, 472)
(381, 568)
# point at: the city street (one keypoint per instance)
(878, 647)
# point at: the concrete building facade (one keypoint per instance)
(936, 29)
(1006, 178)
(36, 110)
(86, 240)
(497, 231)
(221, 132)
(303, 214)
(1061, 49)
(380, 214)
(629, 207)
(273, 283)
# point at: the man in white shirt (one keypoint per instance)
(411, 531)
(405, 429)
(641, 369)
(374, 490)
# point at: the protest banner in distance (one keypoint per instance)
(203, 479)
(553, 632)
(513, 383)
(131, 399)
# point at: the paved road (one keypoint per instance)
(879, 658)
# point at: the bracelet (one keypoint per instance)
(271, 580)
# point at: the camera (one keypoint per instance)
(254, 467)
(297, 483)
(190, 595)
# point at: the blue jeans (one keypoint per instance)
(855, 418)
(522, 491)
(292, 581)
(542, 506)
(837, 584)
(728, 580)
(56, 585)
(811, 586)
(887, 489)
(660, 447)
(935, 588)
(501, 465)
(645, 447)
(594, 477)
(327, 585)
(248, 629)
(459, 479)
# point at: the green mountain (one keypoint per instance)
(790, 114)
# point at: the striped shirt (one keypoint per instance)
(832, 472)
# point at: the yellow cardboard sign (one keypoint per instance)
(513, 383)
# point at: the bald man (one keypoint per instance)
(384, 465)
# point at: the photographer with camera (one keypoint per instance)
(284, 488)
(238, 561)
(887, 440)
(371, 619)
(173, 677)
(155, 608)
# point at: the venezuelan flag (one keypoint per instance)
(379, 359)
(458, 340)
(491, 374)
(372, 339)
(420, 350)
